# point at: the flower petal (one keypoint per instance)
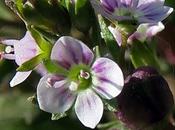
(25, 49)
(110, 4)
(68, 51)
(54, 99)
(41, 69)
(108, 13)
(107, 78)
(9, 42)
(89, 108)
(145, 31)
(19, 78)
(116, 34)
(152, 11)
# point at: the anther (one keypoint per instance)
(84, 74)
(49, 83)
(9, 49)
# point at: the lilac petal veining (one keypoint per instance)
(19, 78)
(109, 4)
(100, 9)
(68, 51)
(142, 10)
(148, 2)
(146, 31)
(107, 78)
(153, 14)
(25, 49)
(54, 99)
(89, 108)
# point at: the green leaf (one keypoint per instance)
(55, 13)
(53, 67)
(113, 125)
(95, 32)
(43, 44)
(142, 54)
(19, 6)
(110, 105)
(33, 99)
(82, 15)
(33, 17)
(66, 3)
(31, 64)
(58, 116)
(109, 39)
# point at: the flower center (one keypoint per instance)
(123, 12)
(79, 77)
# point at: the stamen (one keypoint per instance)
(73, 86)
(9, 49)
(49, 83)
(84, 74)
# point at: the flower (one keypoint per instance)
(82, 82)
(146, 93)
(145, 14)
(20, 51)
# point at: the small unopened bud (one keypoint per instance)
(145, 99)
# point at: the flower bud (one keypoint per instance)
(145, 99)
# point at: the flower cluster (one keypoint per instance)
(144, 15)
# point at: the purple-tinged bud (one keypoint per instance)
(145, 99)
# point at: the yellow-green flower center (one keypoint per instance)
(80, 77)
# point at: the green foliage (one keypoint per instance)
(31, 64)
(50, 16)
(109, 39)
(58, 116)
(52, 67)
(111, 105)
(114, 125)
(142, 54)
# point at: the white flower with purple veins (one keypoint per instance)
(82, 84)
(147, 14)
(20, 51)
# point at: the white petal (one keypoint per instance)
(25, 49)
(19, 78)
(116, 34)
(107, 78)
(89, 108)
(68, 51)
(10, 42)
(56, 98)
(146, 31)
